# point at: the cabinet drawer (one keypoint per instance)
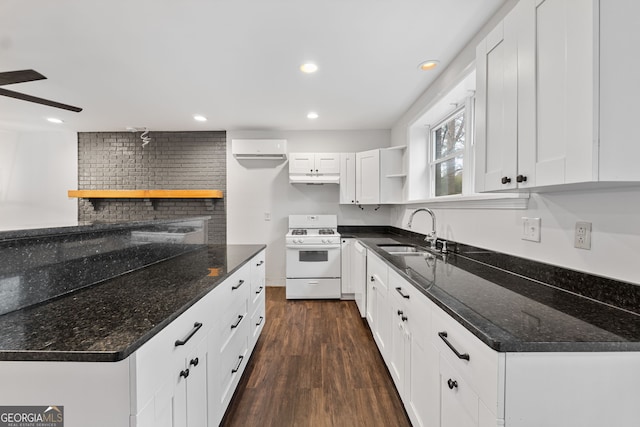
(459, 402)
(257, 318)
(235, 288)
(232, 359)
(415, 306)
(257, 275)
(482, 371)
(233, 322)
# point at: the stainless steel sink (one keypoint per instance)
(404, 250)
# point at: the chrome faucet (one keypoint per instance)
(431, 237)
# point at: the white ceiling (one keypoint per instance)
(156, 63)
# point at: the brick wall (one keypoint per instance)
(172, 160)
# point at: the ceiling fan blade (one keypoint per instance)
(21, 76)
(37, 100)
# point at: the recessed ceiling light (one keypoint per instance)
(199, 118)
(428, 65)
(312, 115)
(54, 120)
(309, 68)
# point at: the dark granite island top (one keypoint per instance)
(517, 305)
(110, 320)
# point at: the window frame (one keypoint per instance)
(466, 105)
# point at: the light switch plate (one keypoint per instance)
(531, 229)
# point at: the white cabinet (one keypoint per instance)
(413, 361)
(346, 280)
(314, 163)
(378, 307)
(347, 178)
(258, 291)
(359, 276)
(379, 176)
(504, 84)
(553, 99)
(368, 177)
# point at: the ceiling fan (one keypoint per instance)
(22, 76)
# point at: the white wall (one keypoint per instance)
(256, 187)
(615, 240)
(36, 170)
(615, 214)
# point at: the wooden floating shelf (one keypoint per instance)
(146, 194)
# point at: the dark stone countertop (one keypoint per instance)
(110, 320)
(511, 312)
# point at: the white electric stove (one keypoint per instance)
(313, 257)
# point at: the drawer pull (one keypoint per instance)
(194, 362)
(235, 325)
(260, 321)
(452, 384)
(196, 326)
(184, 373)
(260, 263)
(443, 335)
(399, 289)
(237, 368)
(259, 290)
(240, 282)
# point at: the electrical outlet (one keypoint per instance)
(582, 239)
(531, 229)
(267, 216)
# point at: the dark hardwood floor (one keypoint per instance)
(315, 364)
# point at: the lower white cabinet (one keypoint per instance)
(448, 377)
(378, 306)
(184, 376)
(346, 252)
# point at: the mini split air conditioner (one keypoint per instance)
(259, 149)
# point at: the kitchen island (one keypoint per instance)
(144, 319)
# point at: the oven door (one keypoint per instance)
(313, 261)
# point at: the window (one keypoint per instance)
(447, 154)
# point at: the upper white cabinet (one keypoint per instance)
(552, 97)
(379, 176)
(368, 177)
(314, 167)
(347, 178)
(504, 83)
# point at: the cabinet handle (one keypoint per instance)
(316, 170)
(373, 279)
(452, 384)
(399, 289)
(505, 180)
(196, 326)
(521, 178)
(404, 318)
(260, 263)
(260, 321)
(240, 282)
(353, 201)
(443, 335)
(184, 373)
(400, 312)
(237, 368)
(259, 290)
(240, 316)
(194, 362)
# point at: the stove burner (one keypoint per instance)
(325, 231)
(298, 232)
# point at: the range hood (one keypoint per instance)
(259, 149)
(314, 179)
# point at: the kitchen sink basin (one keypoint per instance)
(405, 250)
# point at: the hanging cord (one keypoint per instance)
(145, 137)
